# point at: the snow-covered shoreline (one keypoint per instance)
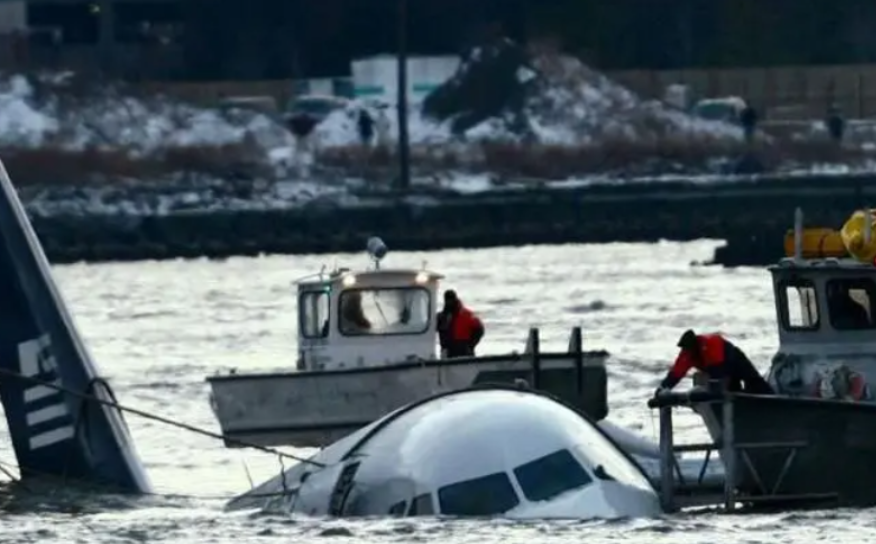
(48, 118)
(599, 213)
(161, 199)
(77, 147)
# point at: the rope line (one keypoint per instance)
(81, 425)
(7, 467)
(157, 418)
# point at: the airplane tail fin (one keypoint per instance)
(42, 360)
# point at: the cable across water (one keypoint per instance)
(91, 397)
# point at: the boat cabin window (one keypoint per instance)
(850, 303)
(422, 506)
(486, 496)
(313, 314)
(384, 311)
(798, 305)
(545, 478)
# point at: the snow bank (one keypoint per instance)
(565, 103)
(570, 105)
(504, 90)
(54, 112)
(577, 105)
(562, 102)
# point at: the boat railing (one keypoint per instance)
(575, 349)
(676, 492)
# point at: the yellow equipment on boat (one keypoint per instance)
(823, 243)
(854, 234)
(818, 243)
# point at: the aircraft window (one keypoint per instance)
(388, 311)
(850, 302)
(547, 477)
(422, 506)
(341, 491)
(799, 305)
(487, 496)
(397, 509)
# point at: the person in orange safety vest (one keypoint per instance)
(720, 359)
(459, 329)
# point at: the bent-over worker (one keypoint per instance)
(720, 359)
(459, 329)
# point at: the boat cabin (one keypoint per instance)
(825, 302)
(350, 319)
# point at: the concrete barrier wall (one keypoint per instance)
(757, 211)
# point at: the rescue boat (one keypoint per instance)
(815, 438)
(346, 376)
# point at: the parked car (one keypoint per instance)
(725, 109)
(261, 104)
(315, 107)
(304, 112)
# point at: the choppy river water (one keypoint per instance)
(157, 329)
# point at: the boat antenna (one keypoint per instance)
(798, 234)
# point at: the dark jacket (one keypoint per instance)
(365, 124)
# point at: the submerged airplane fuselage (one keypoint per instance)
(494, 451)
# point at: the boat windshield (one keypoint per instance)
(850, 303)
(486, 496)
(384, 311)
(551, 475)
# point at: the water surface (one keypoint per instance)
(158, 328)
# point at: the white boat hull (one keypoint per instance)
(313, 409)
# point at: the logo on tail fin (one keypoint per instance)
(46, 411)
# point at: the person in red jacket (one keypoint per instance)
(720, 359)
(459, 329)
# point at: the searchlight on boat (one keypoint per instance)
(376, 250)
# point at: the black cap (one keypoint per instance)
(688, 340)
(449, 295)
